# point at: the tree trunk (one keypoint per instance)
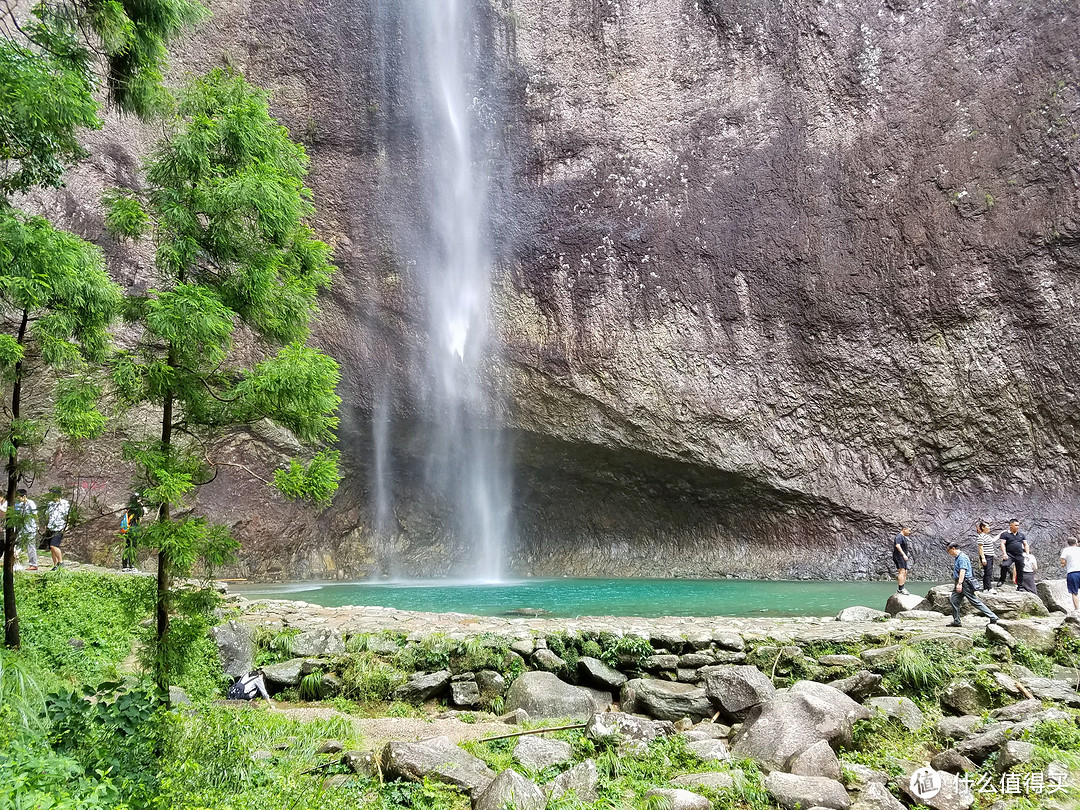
(11, 613)
(161, 675)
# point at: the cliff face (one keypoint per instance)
(773, 277)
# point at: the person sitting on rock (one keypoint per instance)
(249, 687)
(964, 588)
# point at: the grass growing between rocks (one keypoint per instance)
(883, 744)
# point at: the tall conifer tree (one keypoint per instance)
(229, 215)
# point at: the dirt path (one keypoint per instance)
(377, 731)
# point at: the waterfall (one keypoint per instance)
(465, 466)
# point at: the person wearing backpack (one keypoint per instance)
(27, 527)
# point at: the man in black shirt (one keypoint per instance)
(1014, 545)
(901, 554)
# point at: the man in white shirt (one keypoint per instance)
(56, 515)
(27, 527)
(1070, 561)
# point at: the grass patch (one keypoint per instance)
(881, 743)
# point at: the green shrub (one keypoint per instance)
(921, 669)
(1036, 662)
(366, 678)
(632, 649)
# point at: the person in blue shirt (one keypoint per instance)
(964, 588)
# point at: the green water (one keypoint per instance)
(595, 597)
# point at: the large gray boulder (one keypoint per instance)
(898, 708)
(952, 761)
(860, 686)
(920, 787)
(324, 641)
(1055, 595)
(797, 792)
(287, 673)
(544, 696)
(582, 781)
(510, 791)
(536, 753)
(709, 750)
(1049, 689)
(1007, 603)
(1014, 753)
(548, 661)
(438, 759)
(679, 799)
(900, 603)
(817, 760)
(963, 697)
(423, 686)
(1036, 635)
(989, 739)
(464, 693)
(957, 728)
(737, 690)
(235, 647)
(881, 657)
(794, 720)
(598, 674)
(636, 731)
(490, 683)
(1015, 712)
(860, 613)
(876, 796)
(665, 700)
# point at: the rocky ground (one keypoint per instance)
(837, 712)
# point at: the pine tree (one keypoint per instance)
(55, 297)
(226, 207)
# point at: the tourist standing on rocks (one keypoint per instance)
(901, 554)
(1014, 545)
(986, 543)
(964, 588)
(129, 525)
(1027, 579)
(56, 517)
(27, 527)
(1070, 561)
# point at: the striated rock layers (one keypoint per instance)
(771, 278)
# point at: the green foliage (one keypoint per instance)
(315, 481)
(1066, 649)
(430, 654)
(884, 744)
(311, 685)
(1036, 662)
(922, 668)
(365, 678)
(633, 649)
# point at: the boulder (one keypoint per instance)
(728, 640)
(678, 799)
(1013, 753)
(710, 780)
(287, 673)
(464, 693)
(1055, 595)
(1007, 603)
(876, 796)
(324, 641)
(637, 731)
(796, 792)
(952, 761)
(490, 683)
(235, 647)
(547, 661)
(515, 718)
(709, 750)
(696, 660)
(794, 720)
(849, 661)
(437, 759)
(544, 696)
(706, 731)
(582, 781)
(999, 635)
(657, 663)
(979, 746)
(898, 708)
(1070, 675)
(330, 747)
(536, 753)
(1033, 634)
(860, 686)
(364, 763)
(956, 641)
(523, 647)
(423, 686)
(858, 613)
(881, 657)
(858, 777)
(596, 672)
(1049, 689)
(1007, 683)
(665, 700)
(510, 791)
(736, 690)
(817, 760)
(963, 697)
(957, 728)
(900, 603)
(1015, 712)
(935, 789)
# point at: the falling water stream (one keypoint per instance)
(466, 470)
